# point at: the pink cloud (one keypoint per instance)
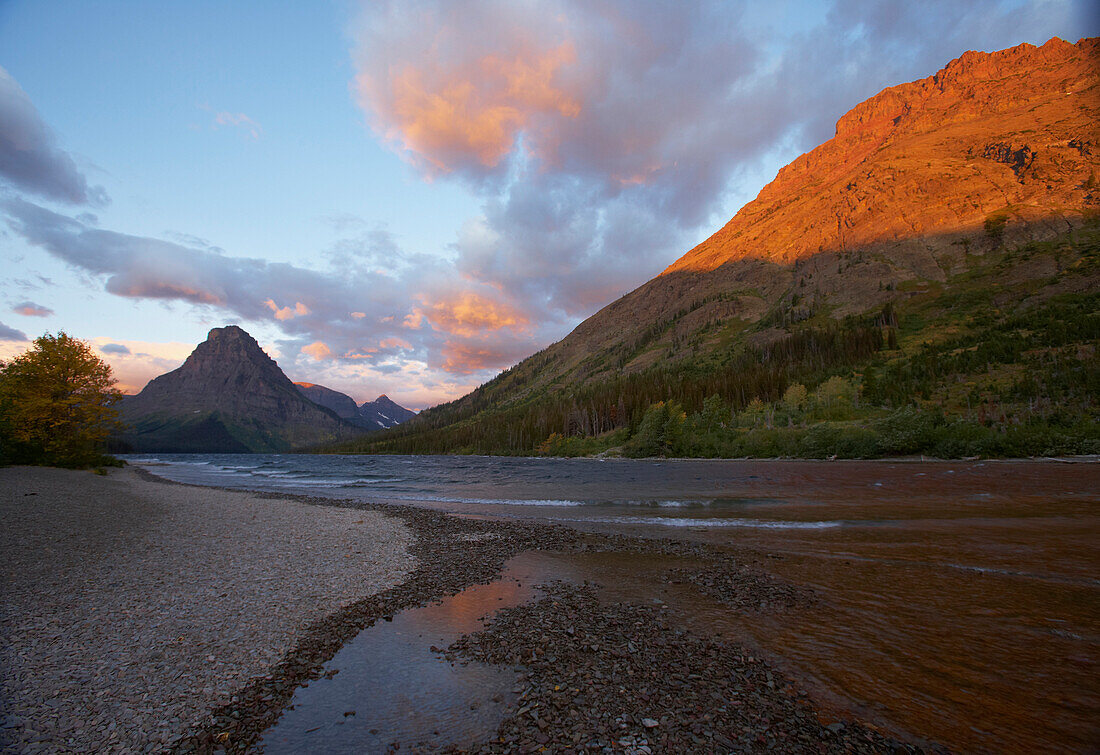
(286, 313)
(467, 313)
(465, 358)
(394, 343)
(237, 120)
(318, 350)
(454, 103)
(30, 309)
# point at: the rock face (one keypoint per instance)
(228, 397)
(383, 412)
(372, 415)
(995, 149)
(342, 404)
(1011, 132)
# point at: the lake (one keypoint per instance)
(957, 602)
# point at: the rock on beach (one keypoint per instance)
(129, 608)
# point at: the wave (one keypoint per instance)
(671, 521)
(490, 501)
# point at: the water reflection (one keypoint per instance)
(391, 687)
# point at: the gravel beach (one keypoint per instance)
(141, 615)
(129, 608)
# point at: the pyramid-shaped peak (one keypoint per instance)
(229, 332)
(228, 382)
(231, 340)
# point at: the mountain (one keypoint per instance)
(341, 404)
(227, 397)
(383, 412)
(938, 254)
(921, 178)
(373, 415)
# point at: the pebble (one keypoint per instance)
(130, 603)
(592, 675)
(644, 661)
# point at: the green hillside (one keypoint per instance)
(997, 359)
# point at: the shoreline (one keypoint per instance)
(906, 459)
(475, 552)
(446, 567)
(453, 553)
(128, 609)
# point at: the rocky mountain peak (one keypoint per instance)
(230, 383)
(384, 412)
(344, 405)
(1009, 131)
(229, 343)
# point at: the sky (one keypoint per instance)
(408, 197)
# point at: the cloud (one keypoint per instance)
(135, 363)
(605, 139)
(470, 357)
(449, 116)
(468, 313)
(30, 309)
(11, 334)
(355, 312)
(318, 350)
(30, 159)
(286, 313)
(251, 128)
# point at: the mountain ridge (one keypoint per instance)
(227, 396)
(381, 413)
(1023, 84)
(926, 188)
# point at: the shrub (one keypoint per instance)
(795, 398)
(659, 433)
(842, 441)
(905, 431)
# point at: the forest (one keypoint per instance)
(972, 367)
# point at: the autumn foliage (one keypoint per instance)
(56, 404)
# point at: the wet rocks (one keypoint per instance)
(452, 554)
(624, 677)
(743, 587)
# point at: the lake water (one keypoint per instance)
(957, 601)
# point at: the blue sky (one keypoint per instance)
(408, 197)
